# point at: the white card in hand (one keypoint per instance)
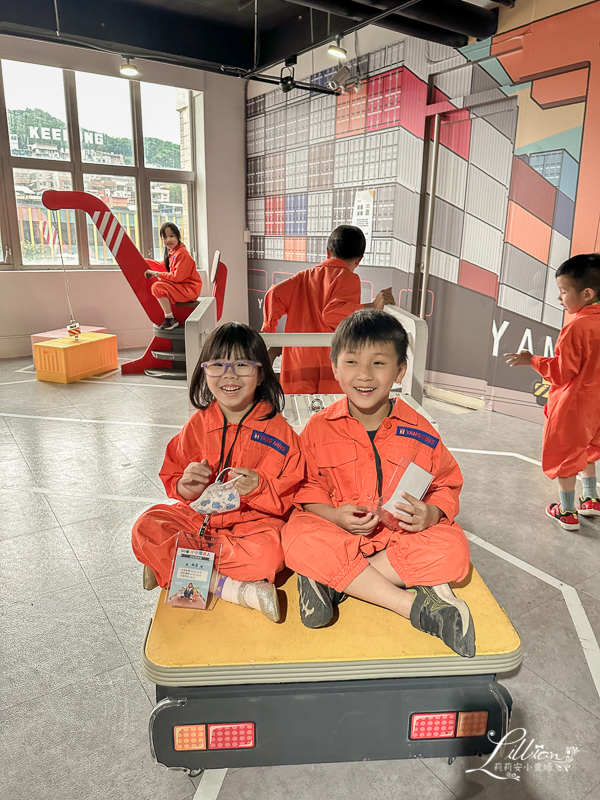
(415, 480)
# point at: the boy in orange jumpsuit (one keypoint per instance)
(181, 283)
(352, 450)
(318, 299)
(571, 442)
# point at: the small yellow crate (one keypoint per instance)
(66, 361)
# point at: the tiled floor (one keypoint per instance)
(74, 703)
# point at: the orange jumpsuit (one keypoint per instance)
(341, 468)
(249, 538)
(572, 429)
(183, 283)
(316, 299)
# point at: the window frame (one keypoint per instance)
(11, 255)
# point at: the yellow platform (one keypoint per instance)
(66, 360)
(232, 645)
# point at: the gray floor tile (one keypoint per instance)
(516, 590)
(102, 546)
(53, 640)
(30, 562)
(594, 794)
(552, 720)
(16, 473)
(23, 512)
(85, 742)
(71, 508)
(128, 606)
(591, 586)
(541, 630)
(378, 780)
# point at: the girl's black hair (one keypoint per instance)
(177, 233)
(369, 326)
(583, 270)
(230, 341)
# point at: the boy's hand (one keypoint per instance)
(522, 359)
(248, 483)
(354, 519)
(195, 479)
(415, 515)
(149, 273)
(383, 298)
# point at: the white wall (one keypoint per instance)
(35, 300)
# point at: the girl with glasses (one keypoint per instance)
(238, 426)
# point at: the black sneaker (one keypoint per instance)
(317, 602)
(437, 610)
(169, 324)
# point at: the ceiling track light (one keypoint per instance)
(128, 70)
(336, 49)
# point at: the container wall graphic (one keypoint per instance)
(516, 189)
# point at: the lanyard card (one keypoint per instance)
(413, 479)
(190, 579)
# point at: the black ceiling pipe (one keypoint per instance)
(452, 15)
(393, 22)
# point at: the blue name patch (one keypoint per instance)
(415, 433)
(270, 441)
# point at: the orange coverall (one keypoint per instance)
(183, 283)
(249, 537)
(316, 299)
(341, 469)
(572, 429)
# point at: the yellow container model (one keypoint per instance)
(67, 361)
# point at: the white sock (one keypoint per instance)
(229, 590)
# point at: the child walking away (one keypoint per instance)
(352, 450)
(571, 442)
(318, 299)
(177, 280)
(237, 426)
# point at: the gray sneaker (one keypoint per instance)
(436, 610)
(317, 602)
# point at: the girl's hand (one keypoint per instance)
(248, 483)
(194, 480)
(354, 519)
(415, 515)
(522, 359)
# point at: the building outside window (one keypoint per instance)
(126, 142)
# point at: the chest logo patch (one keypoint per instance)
(270, 441)
(420, 436)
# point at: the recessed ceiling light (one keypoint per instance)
(129, 70)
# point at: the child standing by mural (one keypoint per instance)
(571, 442)
(318, 299)
(178, 281)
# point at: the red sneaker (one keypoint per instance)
(566, 519)
(589, 507)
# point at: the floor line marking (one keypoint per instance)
(495, 453)
(124, 498)
(583, 628)
(125, 383)
(210, 784)
(93, 421)
(11, 383)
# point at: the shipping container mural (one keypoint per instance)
(516, 190)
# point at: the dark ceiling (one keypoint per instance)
(219, 34)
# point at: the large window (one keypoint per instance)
(127, 143)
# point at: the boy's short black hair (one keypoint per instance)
(228, 342)
(583, 270)
(369, 326)
(346, 242)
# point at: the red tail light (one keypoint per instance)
(231, 736)
(433, 726)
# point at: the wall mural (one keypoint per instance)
(511, 200)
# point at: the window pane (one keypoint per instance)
(104, 119)
(44, 233)
(166, 126)
(169, 204)
(118, 192)
(35, 104)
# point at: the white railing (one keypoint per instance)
(203, 321)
